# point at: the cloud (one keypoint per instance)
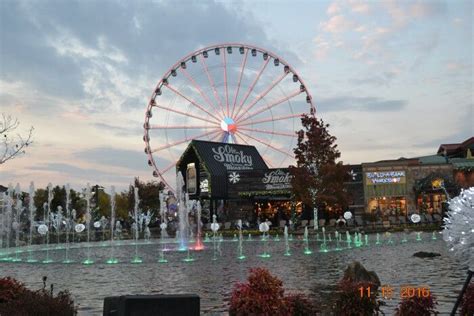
(113, 157)
(131, 129)
(336, 24)
(74, 172)
(378, 79)
(359, 6)
(364, 104)
(333, 8)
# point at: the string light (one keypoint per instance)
(458, 230)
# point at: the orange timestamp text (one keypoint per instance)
(406, 291)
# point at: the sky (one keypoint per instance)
(392, 78)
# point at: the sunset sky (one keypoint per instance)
(393, 78)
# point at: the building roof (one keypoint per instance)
(432, 160)
(462, 163)
(457, 149)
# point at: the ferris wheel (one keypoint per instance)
(232, 93)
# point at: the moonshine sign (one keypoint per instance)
(385, 177)
(232, 159)
(277, 179)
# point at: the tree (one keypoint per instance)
(12, 146)
(148, 194)
(317, 176)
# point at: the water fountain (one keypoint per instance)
(377, 239)
(136, 258)
(348, 239)
(88, 224)
(8, 219)
(366, 239)
(287, 244)
(198, 245)
(47, 221)
(164, 219)
(182, 213)
(337, 240)
(264, 227)
(324, 247)
(433, 236)
(32, 209)
(16, 224)
(240, 247)
(68, 223)
(307, 251)
(112, 259)
(214, 228)
(56, 219)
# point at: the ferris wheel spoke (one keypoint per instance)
(168, 168)
(262, 95)
(191, 101)
(179, 126)
(242, 68)
(216, 136)
(198, 87)
(224, 60)
(266, 144)
(252, 86)
(216, 95)
(267, 132)
(269, 119)
(185, 114)
(247, 143)
(181, 141)
(268, 107)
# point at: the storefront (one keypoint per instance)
(234, 182)
(385, 190)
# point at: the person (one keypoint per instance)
(341, 221)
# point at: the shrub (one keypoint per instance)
(263, 294)
(351, 300)
(300, 305)
(16, 299)
(10, 289)
(467, 304)
(417, 305)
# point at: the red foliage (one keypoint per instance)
(350, 301)
(300, 305)
(263, 294)
(16, 299)
(10, 289)
(467, 304)
(417, 305)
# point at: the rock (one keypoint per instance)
(357, 273)
(424, 254)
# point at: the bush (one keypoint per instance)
(417, 305)
(300, 305)
(467, 304)
(16, 299)
(263, 294)
(350, 300)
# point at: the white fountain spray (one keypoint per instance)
(88, 195)
(136, 259)
(287, 243)
(112, 259)
(47, 220)
(182, 212)
(68, 222)
(8, 217)
(32, 209)
(17, 221)
(164, 219)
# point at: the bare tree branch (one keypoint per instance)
(12, 147)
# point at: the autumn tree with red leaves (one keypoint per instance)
(316, 167)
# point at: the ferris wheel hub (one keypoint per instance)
(228, 125)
